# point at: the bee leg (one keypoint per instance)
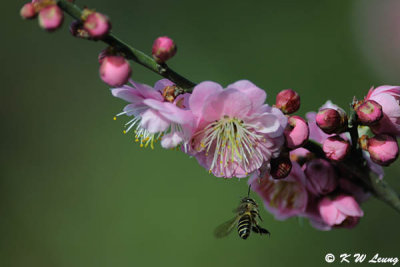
(259, 230)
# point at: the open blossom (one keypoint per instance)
(235, 131)
(285, 197)
(342, 211)
(388, 97)
(153, 116)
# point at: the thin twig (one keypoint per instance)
(131, 52)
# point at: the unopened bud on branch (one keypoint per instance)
(383, 149)
(288, 101)
(336, 148)
(115, 70)
(97, 25)
(51, 18)
(331, 120)
(164, 48)
(369, 112)
(28, 11)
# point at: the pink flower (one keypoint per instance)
(297, 132)
(342, 211)
(285, 197)
(321, 177)
(235, 132)
(153, 116)
(388, 97)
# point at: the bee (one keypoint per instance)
(246, 220)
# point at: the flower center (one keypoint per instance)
(233, 144)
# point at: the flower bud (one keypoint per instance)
(297, 132)
(280, 167)
(321, 177)
(97, 25)
(336, 148)
(28, 11)
(51, 17)
(288, 101)
(164, 48)
(115, 70)
(331, 120)
(383, 149)
(342, 211)
(369, 112)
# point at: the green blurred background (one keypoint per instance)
(75, 191)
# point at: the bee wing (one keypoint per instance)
(225, 228)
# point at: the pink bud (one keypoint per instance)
(28, 11)
(331, 120)
(321, 177)
(115, 70)
(288, 101)
(97, 25)
(51, 17)
(280, 167)
(336, 148)
(342, 211)
(369, 112)
(164, 48)
(297, 132)
(383, 149)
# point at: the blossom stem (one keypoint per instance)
(376, 186)
(131, 52)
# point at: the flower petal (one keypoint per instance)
(256, 95)
(153, 121)
(200, 93)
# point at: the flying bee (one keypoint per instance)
(246, 220)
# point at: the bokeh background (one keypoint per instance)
(75, 191)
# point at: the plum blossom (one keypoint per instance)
(284, 198)
(154, 118)
(235, 131)
(388, 97)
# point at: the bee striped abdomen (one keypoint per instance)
(244, 226)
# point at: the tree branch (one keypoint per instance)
(131, 52)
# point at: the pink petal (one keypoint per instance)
(256, 95)
(127, 94)
(199, 95)
(170, 111)
(171, 140)
(348, 206)
(267, 124)
(161, 84)
(230, 102)
(153, 121)
(328, 211)
(147, 92)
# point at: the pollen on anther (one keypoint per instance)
(115, 118)
(124, 131)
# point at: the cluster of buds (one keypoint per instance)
(318, 187)
(296, 132)
(49, 14)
